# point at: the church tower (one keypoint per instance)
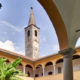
(32, 41)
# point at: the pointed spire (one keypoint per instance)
(31, 20)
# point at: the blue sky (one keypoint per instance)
(14, 16)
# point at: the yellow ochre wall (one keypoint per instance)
(59, 77)
(54, 77)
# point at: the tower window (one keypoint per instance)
(35, 33)
(28, 33)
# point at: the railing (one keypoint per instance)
(59, 77)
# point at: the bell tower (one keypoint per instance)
(32, 41)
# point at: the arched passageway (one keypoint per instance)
(49, 69)
(20, 67)
(29, 70)
(39, 71)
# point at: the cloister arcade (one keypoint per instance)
(48, 68)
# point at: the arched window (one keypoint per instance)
(28, 33)
(59, 69)
(35, 33)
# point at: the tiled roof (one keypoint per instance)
(26, 57)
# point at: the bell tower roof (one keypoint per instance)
(31, 20)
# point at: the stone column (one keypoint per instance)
(34, 72)
(54, 69)
(43, 69)
(67, 63)
(24, 69)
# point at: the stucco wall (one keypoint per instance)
(59, 77)
(26, 78)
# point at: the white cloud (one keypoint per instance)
(9, 45)
(10, 25)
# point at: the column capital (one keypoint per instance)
(67, 51)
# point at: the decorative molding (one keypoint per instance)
(67, 51)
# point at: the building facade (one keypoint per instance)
(46, 68)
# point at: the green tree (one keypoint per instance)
(9, 71)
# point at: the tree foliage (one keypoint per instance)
(9, 71)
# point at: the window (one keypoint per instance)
(50, 73)
(35, 33)
(59, 69)
(28, 33)
(36, 75)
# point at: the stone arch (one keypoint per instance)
(48, 63)
(56, 19)
(20, 67)
(49, 68)
(29, 70)
(39, 70)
